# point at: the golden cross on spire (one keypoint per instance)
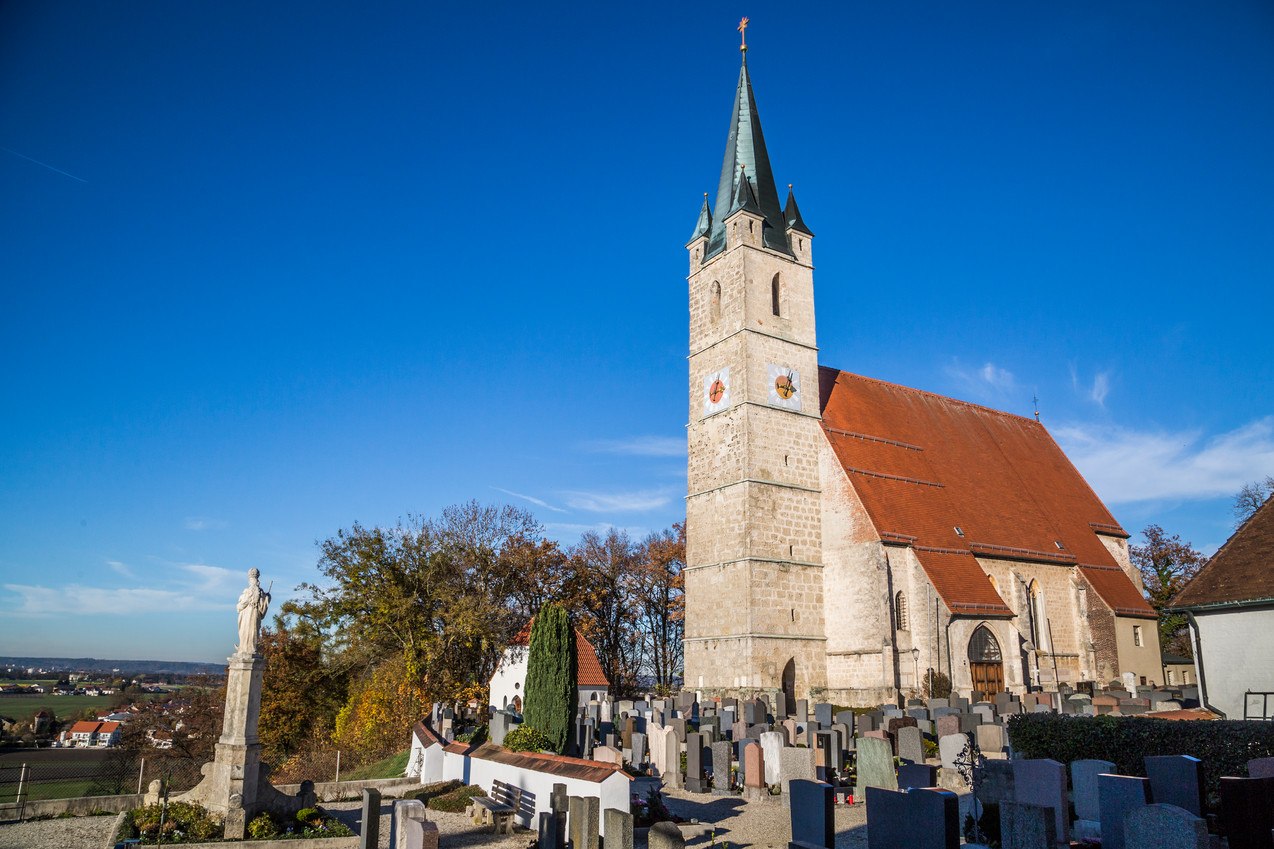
(743, 35)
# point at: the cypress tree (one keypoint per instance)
(551, 691)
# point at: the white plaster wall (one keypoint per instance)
(1238, 655)
(510, 679)
(614, 792)
(1144, 661)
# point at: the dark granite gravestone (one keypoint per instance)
(969, 723)
(917, 819)
(823, 713)
(1260, 768)
(369, 824)
(1176, 780)
(813, 820)
(1119, 796)
(1042, 782)
(721, 756)
(1026, 826)
(695, 762)
(559, 804)
(1164, 827)
(1247, 809)
(826, 760)
(846, 718)
(917, 775)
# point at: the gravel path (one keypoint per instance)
(70, 833)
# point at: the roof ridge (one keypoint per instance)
(938, 395)
(1217, 555)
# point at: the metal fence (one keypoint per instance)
(40, 774)
(1258, 705)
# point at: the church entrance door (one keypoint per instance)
(789, 687)
(986, 664)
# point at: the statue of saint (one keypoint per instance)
(253, 602)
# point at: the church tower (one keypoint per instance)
(754, 583)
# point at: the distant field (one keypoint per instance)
(63, 707)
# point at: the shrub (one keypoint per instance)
(524, 738)
(551, 691)
(262, 827)
(457, 800)
(937, 685)
(183, 822)
(309, 816)
(1224, 746)
(438, 788)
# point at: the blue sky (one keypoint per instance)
(269, 269)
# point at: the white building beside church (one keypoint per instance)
(508, 685)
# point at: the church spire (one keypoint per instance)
(745, 156)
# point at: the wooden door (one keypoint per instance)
(988, 678)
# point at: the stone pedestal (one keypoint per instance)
(235, 783)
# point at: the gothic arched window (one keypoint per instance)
(774, 296)
(900, 610)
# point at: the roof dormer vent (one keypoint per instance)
(1058, 543)
(959, 531)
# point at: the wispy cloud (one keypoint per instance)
(618, 502)
(641, 446)
(1126, 465)
(204, 523)
(212, 577)
(1101, 388)
(985, 381)
(538, 502)
(120, 568)
(129, 601)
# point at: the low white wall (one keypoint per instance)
(1237, 655)
(441, 765)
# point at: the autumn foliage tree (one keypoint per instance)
(1166, 563)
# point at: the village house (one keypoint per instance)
(508, 685)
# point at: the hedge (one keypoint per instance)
(1224, 746)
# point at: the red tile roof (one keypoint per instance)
(924, 465)
(588, 668)
(562, 765)
(84, 726)
(1242, 570)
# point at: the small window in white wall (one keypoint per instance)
(1136, 635)
(1170, 676)
(517, 685)
(900, 610)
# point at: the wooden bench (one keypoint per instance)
(499, 809)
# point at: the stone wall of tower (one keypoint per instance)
(754, 596)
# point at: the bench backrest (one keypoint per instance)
(506, 794)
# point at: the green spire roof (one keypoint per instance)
(745, 154)
(792, 214)
(704, 225)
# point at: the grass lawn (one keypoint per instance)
(390, 767)
(63, 707)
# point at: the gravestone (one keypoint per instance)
(917, 819)
(802, 710)
(754, 766)
(794, 764)
(969, 722)
(619, 829)
(917, 775)
(410, 829)
(826, 755)
(658, 749)
(1027, 826)
(721, 752)
(639, 748)
(934, 704)
(671, 773)
(1176, 780)
(665, 835)
(999, 783)
(949, 748)
(846, 718)
(911, 745)
(1042, 782)
(678, 726)
(1247, 809)
(945, 726)
(1164, 827)
(546, 837)
(695, 782)
(498, 727)
(559, 805)
(875, 765)
(1119, 796)
(607, 755)
(1260, 768)
(811, 813)
(1084, 784)
(771, 745)
(369, 823)
(823, 713)
(584, 825)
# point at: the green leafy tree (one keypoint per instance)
(551, 689)
(1167, 563)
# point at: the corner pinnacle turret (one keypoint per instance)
(747, 160)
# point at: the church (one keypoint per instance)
(848, 539)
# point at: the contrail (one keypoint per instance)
(45, 164)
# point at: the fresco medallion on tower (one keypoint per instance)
(716, 391)
(785, 387)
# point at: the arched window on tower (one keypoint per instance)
(900, 610)
(774, 296)
(716, 301)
